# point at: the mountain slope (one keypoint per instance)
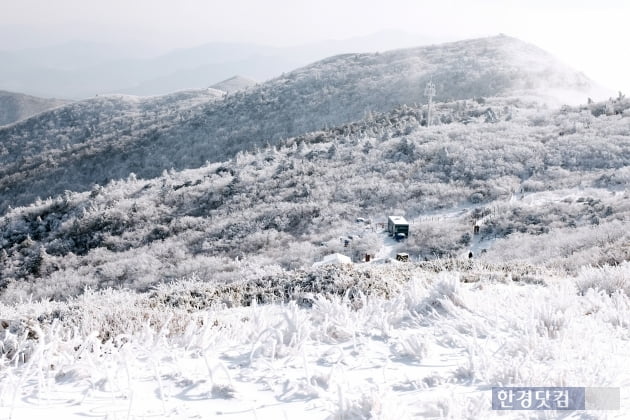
(548, 188)
(93, 146)
(16, 106)
(234, 84)
(330, 92)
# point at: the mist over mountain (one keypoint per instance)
(81, 70)
(16, 106)
(72, 55)
(95, 134)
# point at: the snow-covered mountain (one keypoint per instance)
(546, 187)
(94, 140)
(113, 140)
(195, 293)
(234, 84)
(16, 106)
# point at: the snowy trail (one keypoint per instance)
(389, 248)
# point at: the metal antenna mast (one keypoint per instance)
(429, 91)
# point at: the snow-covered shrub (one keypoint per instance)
(431, 239)
(373, 403)
(336, 319)
(610, 279)
(442, 296)
(412, 347)
(551, 322)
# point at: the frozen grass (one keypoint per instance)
(608, 279)
(425, 345)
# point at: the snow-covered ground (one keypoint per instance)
(433, 349)
(480, 243)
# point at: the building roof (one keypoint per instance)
(333, 259)
(398, 220)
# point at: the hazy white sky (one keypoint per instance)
(585, 34)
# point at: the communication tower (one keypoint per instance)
(429, 92)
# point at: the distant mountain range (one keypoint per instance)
(16, 106)
(93, 141)
(81, 70)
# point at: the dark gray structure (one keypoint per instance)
(396, 225)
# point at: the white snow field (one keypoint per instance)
(422, 343)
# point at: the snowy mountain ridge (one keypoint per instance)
(16, 106)
(341, 89)
(234, 84)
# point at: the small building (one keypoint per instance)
(396, 225)
(333, 259)
(402, 256)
